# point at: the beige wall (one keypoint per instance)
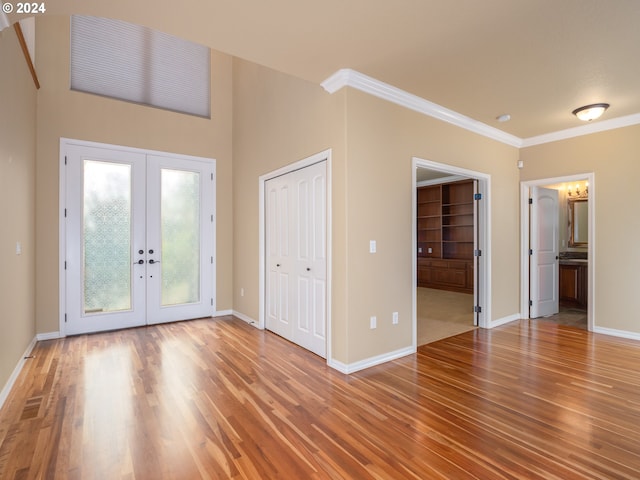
(63, 113)
(17, 204)
(382, 139)
(279, 119)
(613, 158)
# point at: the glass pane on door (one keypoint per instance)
(180, 231)
(107, 237)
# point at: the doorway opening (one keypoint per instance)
(563, 294)
(450, 251)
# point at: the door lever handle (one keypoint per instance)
(139, 262)
(152, 261)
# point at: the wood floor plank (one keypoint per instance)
(217, 398)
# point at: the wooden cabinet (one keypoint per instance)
(445, 231)
(573, 285)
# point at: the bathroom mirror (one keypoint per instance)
(578, 223)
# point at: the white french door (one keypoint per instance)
(139, 239)
(296, 257)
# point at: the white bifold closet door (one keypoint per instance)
(296, 257)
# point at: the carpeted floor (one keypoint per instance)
(442, 314)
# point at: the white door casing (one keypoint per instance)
(544, 249)
(158, 293)
(296, 256)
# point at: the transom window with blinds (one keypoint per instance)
(130, 62)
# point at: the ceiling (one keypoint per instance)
(535, 60)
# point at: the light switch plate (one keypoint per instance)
(372, 246)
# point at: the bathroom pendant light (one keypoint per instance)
(590, 112)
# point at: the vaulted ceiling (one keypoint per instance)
(535, 60)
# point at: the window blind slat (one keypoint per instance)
(137, 64)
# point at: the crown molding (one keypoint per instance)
(601, 126)
(347, 77)
(350, 78)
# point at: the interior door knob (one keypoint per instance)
(140, 252)
(308, 269)
(140, 262)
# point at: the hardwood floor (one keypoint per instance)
(220, 399)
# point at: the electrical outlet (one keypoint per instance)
(18, 248)
(372, 322)
(372, 246)
(394, 318)
(242, 292)
(429, 250)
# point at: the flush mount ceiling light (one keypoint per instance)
(503, 118)
(590, 112)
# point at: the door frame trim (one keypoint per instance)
(262, 257)
(524, 240)
(484, 237)
(62, 237)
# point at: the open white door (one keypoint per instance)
(543, 252)
(476, 255)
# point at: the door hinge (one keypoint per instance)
(531, 201)
(477, 196)
(65, 264)
(477, 253)
(212, 302)
(65, 213)
(211, 260)
(212, 177)
(477, 309)
(65, 318)
(65, 159)
(212, 218)
(530, 252)
(531, 303)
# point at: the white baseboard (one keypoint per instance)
(370, 362)
(16, 371)
(48, 336)
(617, 333)
(222, 313)
(246, 318)
(504, 320)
